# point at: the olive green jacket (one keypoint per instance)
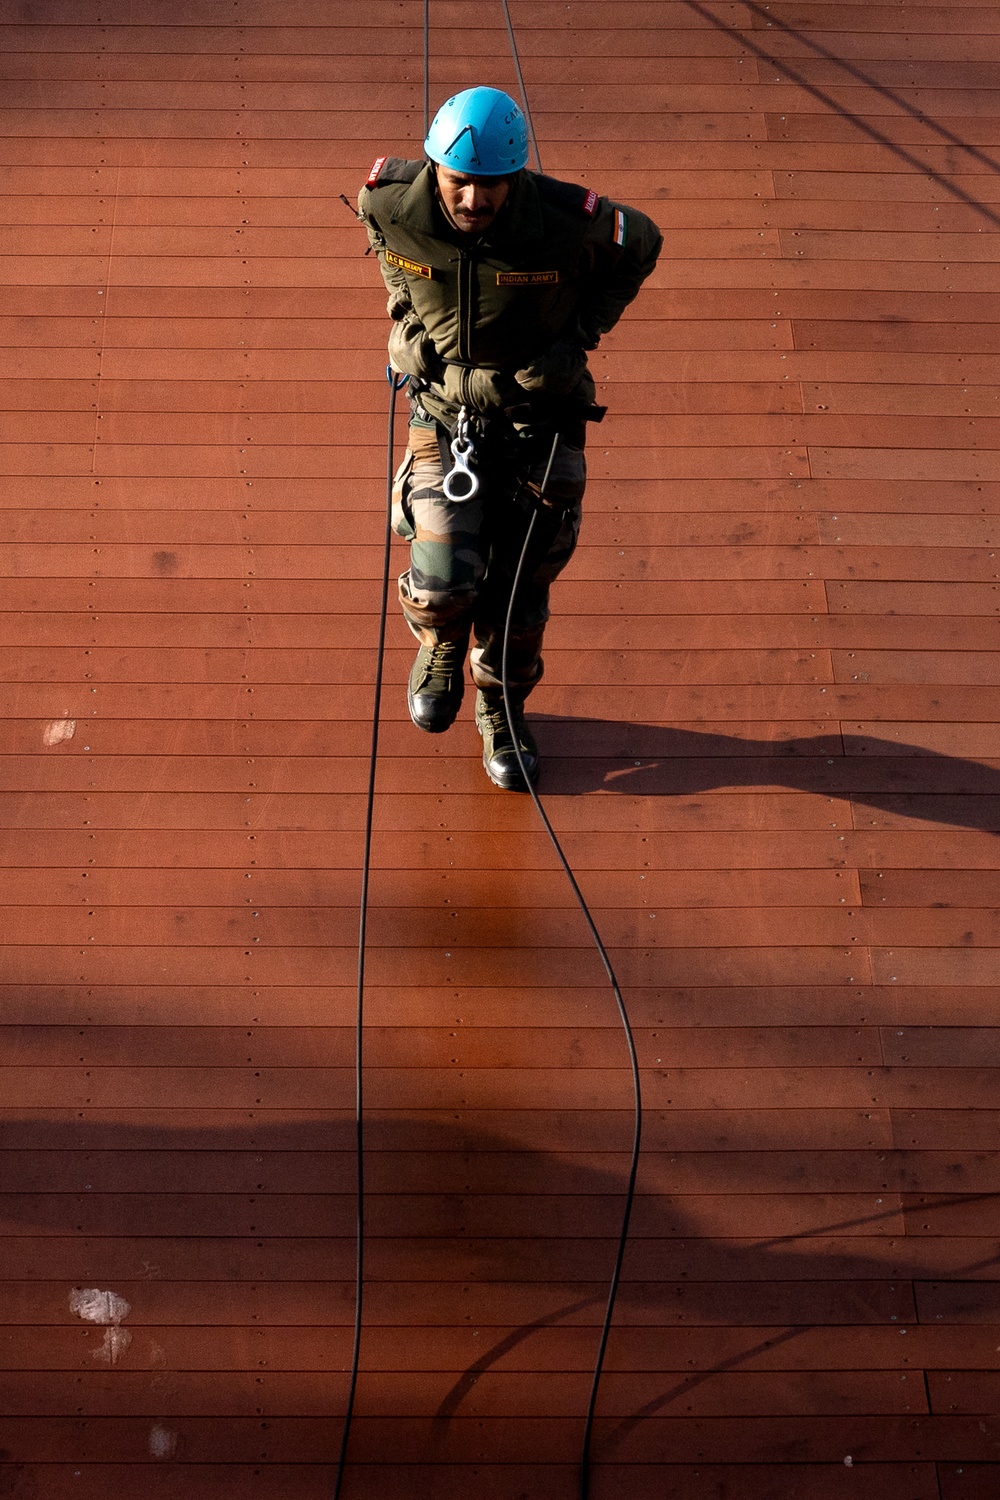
(487, 321)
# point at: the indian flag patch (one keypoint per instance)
(621, 227)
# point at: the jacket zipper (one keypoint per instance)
(465, 269)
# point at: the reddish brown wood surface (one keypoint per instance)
(769, 726)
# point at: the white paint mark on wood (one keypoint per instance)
(162, 1442)
(58, 730)
(116, 1341)
(107, 1308)
(95, 1306)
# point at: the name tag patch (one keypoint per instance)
(527, 278)
(412, 266)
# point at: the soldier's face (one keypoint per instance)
(471, 203)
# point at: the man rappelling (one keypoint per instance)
(500, 280)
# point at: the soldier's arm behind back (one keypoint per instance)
(395, 281)
(626, 245)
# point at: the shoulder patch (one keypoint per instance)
(387, 169)
(568, 195)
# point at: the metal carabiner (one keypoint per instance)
(460, 483)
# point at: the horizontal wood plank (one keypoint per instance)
(768, 729)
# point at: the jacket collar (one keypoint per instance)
(519, 220)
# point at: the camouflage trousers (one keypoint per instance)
(464, 554)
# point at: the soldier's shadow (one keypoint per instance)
(655, 760)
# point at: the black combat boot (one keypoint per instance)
(437, 682)
(499, 755)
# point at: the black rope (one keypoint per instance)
(395, 383)
(520, 84)
(427, 67)
(585, 1464)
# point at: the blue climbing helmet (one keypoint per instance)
(480, 131)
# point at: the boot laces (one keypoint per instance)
(494, 716)
(441, 662)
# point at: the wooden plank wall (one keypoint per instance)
(770, 727)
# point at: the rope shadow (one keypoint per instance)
(789, 1258)
(861, 124)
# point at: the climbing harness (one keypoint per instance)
(462, 483)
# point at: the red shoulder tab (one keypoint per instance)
(590, 204)
(377, 166)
